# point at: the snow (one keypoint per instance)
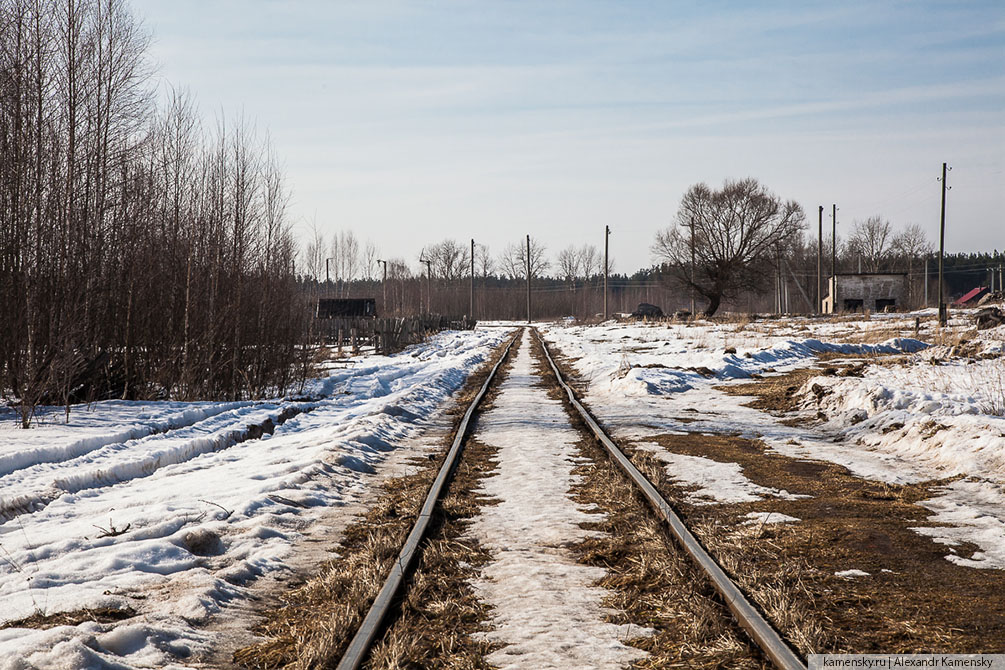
(546, 610)
(160, 471)
(972, 510)
(934, 414)
(715, 481)
(762, 518)
(851, 574)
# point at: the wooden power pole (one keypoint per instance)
(834, 238)
(607, 265)
(528, 279)
(383, 287)
(943, 315)
(429, 285)
(820, 260)
(692, 267)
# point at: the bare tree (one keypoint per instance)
(370, 253)
(569, 263)
(346, 259)
(871, 242)
(450, 259)
(513, 260)
(590, 261)
(912, 245)
(484, 263)
(314, 257)
(735, 231)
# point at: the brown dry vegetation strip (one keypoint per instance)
(317, 620)
(914, 599)
(97, 614)
(652, 582)
(439, 614)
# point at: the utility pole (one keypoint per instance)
(471, 310)
(607, 265)
(779, 308)
(926, 280)
(692, 267)
(327, 276)
(834, 279)
(429, 288)
(943, 315)
(383, 286)
(528, 279)
(820, 260)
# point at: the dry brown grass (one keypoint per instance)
(74, 618)
(439, 615)
(914, 599)
(776, 587)
(317, 620)
(652, 582)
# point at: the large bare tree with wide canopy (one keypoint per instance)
(736, 232)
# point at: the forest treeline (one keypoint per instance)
(569, 281)
(140, 252)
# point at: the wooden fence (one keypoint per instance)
(386, 335)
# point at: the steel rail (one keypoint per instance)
(749, 618)
(359, 647)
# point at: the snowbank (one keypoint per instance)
(105, 515)
(937, 414)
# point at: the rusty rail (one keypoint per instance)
(359, 647)
(749, 618)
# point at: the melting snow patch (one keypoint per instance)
(851, 574)
(970, 510)
(768, 517)
(717, 482)
(170, 483)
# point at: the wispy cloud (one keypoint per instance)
(567, 115)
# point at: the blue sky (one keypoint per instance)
(411, 122)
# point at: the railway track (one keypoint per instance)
(759, 630)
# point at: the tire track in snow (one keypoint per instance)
(145, 455)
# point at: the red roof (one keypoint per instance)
(971, 295)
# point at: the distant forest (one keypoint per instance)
(570, 281)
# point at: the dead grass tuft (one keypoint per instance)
(77, 617)
(440, 615)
